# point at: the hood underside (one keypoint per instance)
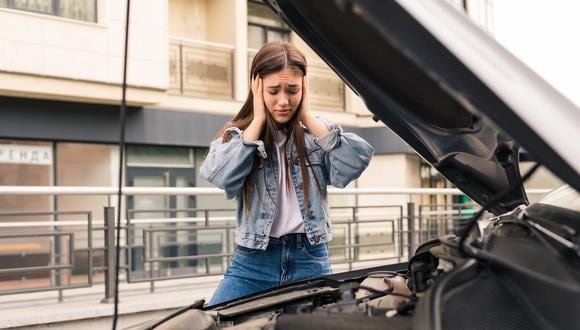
(427, 93)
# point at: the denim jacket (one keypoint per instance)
(335, 159)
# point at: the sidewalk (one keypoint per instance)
(43, 308)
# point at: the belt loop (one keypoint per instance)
(299, 241)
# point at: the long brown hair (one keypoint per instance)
(271, 58)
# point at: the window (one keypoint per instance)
(159, 156)
(264, 26)
(83, 10)
(25, 163)
(84, 164)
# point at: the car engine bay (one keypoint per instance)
(521, 287)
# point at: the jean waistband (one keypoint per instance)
(299, 237)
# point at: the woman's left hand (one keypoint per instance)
(305, 114)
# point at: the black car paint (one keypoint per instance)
(418, 88)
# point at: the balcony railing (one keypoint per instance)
(40, 255)
(205, 69)
(200, 69)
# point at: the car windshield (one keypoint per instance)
(564, 197)
(561, 205)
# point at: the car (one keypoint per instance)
(467, 106)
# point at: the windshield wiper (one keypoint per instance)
(571, 248)
(571, 253)
(567, 241)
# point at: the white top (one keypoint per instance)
(287, 219)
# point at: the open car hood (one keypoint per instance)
(445, 87)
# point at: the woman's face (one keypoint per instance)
(282, 94)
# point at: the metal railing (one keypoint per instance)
(165, 248)
(54, 264)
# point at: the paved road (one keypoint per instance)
(38, 310)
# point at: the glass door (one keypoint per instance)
(152, 233)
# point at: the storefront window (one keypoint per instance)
(25, 163)
(85, 165)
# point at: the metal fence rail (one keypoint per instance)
(170, 247)
(55, 264)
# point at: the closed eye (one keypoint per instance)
(291, 91)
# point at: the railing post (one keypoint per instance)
(411, 228)
(353, 252)
(109, 255)
(206, 215)
(422, 229)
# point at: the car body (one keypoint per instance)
(467, 106)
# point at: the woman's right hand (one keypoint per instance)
(259, 107)
(253, 131)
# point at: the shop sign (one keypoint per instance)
(23, 154)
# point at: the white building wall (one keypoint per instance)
(241, 65)
(187, 19)
(64, 48)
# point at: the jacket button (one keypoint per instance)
(316, 239)
(296, 162)
(309, 215)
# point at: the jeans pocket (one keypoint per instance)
(319, 251)
(246, 251)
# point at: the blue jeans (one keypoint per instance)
(287, 259)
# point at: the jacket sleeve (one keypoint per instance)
(230, 160)
(347, 155)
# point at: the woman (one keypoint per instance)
(276, 158)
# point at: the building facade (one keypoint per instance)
(61, 68)
(60, 75)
